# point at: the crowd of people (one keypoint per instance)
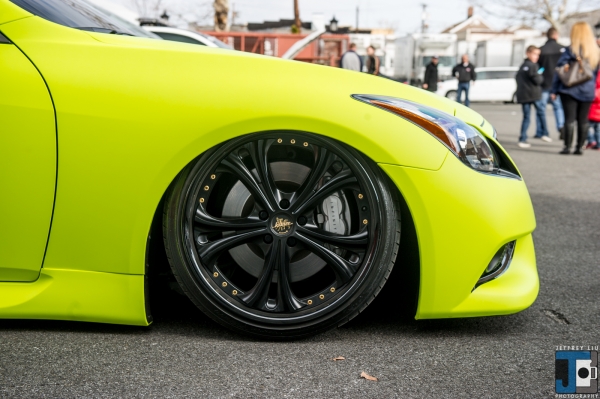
(568, 78)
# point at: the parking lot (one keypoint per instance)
(186, 354)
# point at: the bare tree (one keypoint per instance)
(194, 14)
(221, 11)
(147, 8)
(554, 12)
(297, 21)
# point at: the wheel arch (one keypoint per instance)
(404, 279)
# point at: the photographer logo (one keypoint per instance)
(576, 371)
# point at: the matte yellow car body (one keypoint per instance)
(131, 113)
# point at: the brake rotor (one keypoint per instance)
(250, 257)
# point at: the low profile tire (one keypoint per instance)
(281, 235)
(451, 95)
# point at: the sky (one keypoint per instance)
(404, 16)
(401, 15)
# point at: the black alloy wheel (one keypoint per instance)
(281, 234)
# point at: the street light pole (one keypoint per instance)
(357, 19)
(424, 18)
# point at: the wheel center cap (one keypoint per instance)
(282, 224)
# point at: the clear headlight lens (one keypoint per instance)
(463, 140)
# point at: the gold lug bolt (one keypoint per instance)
(279, 141)
(202, 200)
(215, 274)
(332, 289)
(321, 296)
(309, 301)
(234, 292)
(365, 221)
(360, 196)
(224, 283)
(293, 141)
(213, 177)
(206, 188)
(305, 144)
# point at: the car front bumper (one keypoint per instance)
(462, 217)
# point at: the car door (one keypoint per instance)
(507, 85)
(502, 85)
(28, 162)
(479, 90)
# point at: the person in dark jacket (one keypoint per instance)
(577, 99)
(430, 80)
(465, 73)
(351, 60)
(529, 90)
(372, 61)
(549, 55)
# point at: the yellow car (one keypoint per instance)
(279, 190)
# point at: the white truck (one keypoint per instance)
(414, 52)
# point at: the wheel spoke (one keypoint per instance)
(284, 291)
(324, 161)
(258, 295)
(359, 239)
(337, 182)
(258, 153)
(210, 251)
(234, 164)
(226, 224)
(343, 269)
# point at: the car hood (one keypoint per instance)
(339, 80)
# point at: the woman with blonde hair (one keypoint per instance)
(577, 98)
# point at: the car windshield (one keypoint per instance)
(81, 14)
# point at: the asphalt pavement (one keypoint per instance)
(185, 354)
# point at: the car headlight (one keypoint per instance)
(470, 146)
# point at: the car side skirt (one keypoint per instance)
(77, 295)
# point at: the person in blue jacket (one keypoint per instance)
(577, 99)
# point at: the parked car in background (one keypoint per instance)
(186, 36)
(493, 84)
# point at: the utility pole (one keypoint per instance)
(297, 21)
(357, 19)
(424, 18)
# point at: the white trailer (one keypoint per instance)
(494, 53)
(414, 52)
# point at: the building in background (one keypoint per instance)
(591, 17)
(485, 45)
